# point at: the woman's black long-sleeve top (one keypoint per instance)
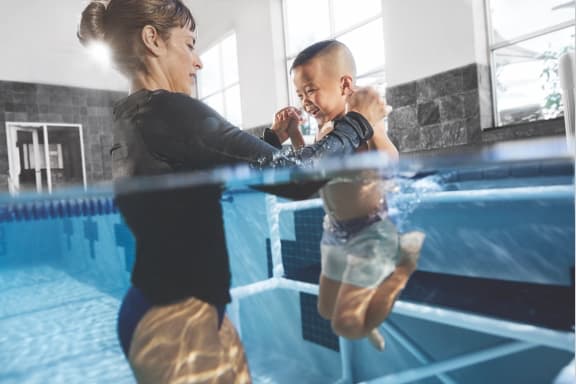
(180, 243)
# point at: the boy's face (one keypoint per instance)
(320, 90)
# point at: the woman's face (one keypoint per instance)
(181, 61)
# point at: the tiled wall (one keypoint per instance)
(443, 110)
(26, 102)
(301, 259)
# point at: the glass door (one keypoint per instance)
(45, 156)
(25, 161)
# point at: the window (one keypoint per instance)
(218, 81)
(524, 56)
(360, 27)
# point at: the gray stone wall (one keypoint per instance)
(27, 102)
(443, 110)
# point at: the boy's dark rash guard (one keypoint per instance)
(180, 243)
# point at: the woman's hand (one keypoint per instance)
(286, 125)
(367, 102)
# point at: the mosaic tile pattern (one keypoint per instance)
(314, 328)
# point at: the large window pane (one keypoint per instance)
(210, 78)
(306, 22)
(349, 13)
(367, 46)
(217, 102)
(376, 80)
(292, 96)
(527, 85)
(230, 60)
(233, 105)
(514, 18)
(219, 87)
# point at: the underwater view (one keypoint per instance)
(491, 299)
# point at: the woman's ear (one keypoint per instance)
(346, 85)
(152, 40)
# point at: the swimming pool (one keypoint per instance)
(493, 287)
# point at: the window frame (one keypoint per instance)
(224, 88)
(289, 56)
(493, 47)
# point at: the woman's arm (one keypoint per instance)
(213, 141)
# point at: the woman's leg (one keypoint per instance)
(181, 343)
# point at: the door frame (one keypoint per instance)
(13, 165)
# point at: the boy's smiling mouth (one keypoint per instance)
(312, 110)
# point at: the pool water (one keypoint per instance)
(64, 267)
(57, 329)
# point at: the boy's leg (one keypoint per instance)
(389, 290)
(376, 339)
(385, 296)
(349, 315)
(333, 266)
(328, 291)
(360, 310)
(342, 325)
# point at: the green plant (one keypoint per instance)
(552, 103)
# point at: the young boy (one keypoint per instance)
(365, 263)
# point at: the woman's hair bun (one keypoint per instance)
(91, 26)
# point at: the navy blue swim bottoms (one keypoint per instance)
(133, 308)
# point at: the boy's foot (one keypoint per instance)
(410, 247)
(377, 340)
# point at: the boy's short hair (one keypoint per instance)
(321, 48)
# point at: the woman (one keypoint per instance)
(171, 324)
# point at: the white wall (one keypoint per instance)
(261, 60)
(39, 45)
(423, 38)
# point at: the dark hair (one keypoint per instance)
(118, 23)
(320, 48)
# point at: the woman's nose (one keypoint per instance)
(198, 62)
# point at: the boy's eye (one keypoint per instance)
(190, 46)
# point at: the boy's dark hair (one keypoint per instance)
(313, 51)
(324, 47)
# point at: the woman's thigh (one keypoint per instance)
(181, 343)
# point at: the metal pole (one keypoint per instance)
(452, 364)
(273, 216)
(297, 205)
(491, 326)
(346, 361)
(413, 349)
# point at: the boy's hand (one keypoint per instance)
(367, 102)
(286, 123)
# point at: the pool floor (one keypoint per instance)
(57, 329)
